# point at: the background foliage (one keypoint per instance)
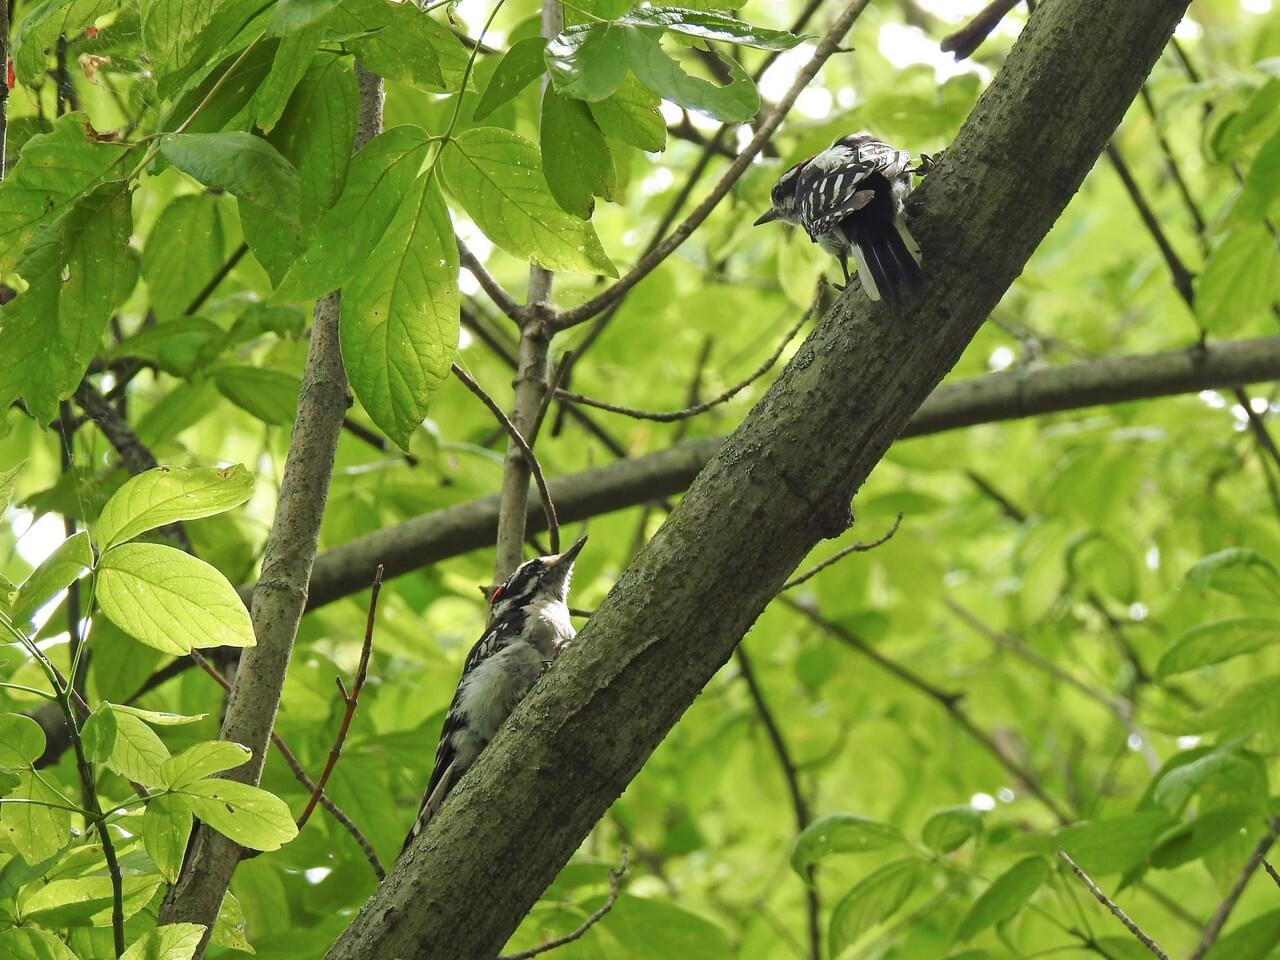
(1133, 549)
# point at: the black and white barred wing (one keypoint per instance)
(830, 188)
(445, 772)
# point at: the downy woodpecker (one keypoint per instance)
(849, 199)
(528, 627)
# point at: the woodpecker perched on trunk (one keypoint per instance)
(528, 627)
(849, 199)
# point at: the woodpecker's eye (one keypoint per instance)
(495, 596)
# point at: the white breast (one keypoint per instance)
(490, 692)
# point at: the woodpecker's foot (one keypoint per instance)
(927, 162)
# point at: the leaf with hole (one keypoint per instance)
(250, 816)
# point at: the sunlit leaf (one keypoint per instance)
(520, 66)
(576, 157)
(250, 816)
(21, 740)
(166, 827)
(64, 566)
(734, 102)
(203, 760)
(1215, 642)
(588, 60)
(948, 829)
(167, 495)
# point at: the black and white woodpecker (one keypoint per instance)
(849, 199)
(528, 627)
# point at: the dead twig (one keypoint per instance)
(615, 876)
(842, 553)
(970, 37)
(1111, 905)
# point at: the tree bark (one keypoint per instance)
(779, 484)
(280, 595)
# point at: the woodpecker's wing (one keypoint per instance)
(882, 157)
(829, 190)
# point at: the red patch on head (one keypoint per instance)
(495, 596)
(10, 78)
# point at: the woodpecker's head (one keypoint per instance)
(540, 579)
(783, 197)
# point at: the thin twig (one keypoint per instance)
(698, 408)
(549, 508)
(553, 388)
(825, 48)
(968, 38)
(376, 440)
(1271, 871)
(219, 275)
(1219, 918)
(1111, 905)
(615, 876)
(501, 299)
(799, 806)
(842, 553)
(1178, 271)
(350, 699)
(301, 775)
(1174, 170)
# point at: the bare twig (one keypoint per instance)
(350, 699)
(501, 299)
(376, 440)
(841, 554)
(826, 47)
(1271, 871)
(1220, 915)
(301, 775)
(1174, 170)
(698, 408)
(968, 38)
(615, 876)
(1178, 271)
(549, 508)
(206, 291)
(799, 806)
(1111, 905)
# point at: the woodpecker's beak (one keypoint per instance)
(566, 558)
(768, 216)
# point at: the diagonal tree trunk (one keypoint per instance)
(780, 483)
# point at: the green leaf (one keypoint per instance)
(645, 927)
(711, 26)
(497, 177)
(166, 826)
(1193, 839)
(588, 61)
(948, 829)
(291, 16)
(840, 833)
(159, 718)
(169, 600)
(183, 253)
(203, 760)
(1240, 572)
(377, 183)
(269, 395)
(84, 901)
(29, 943)
(68, 563)
(576, 158)
(520, 66)
(245, 166)
(1253, 940)
(1230, 773)
(631, 114)
(36, 831)
(36, 37)
(21, 740)
(872, 900)
(248, 815)
(99, 733)
(1240, 280)
(8, 480)
(168, 495)
(1254, 706)
(399, 322)
(1217, 641)
(1117, 845)
(229, 929)
(173, 941)
(54, 171)
(1262, 184)
(136, 752)
(10, 780)
(292, 60)
(78, 269)
(1252, 125)
(1004, 898)
(735, 102)
(400, 42)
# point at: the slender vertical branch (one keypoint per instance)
(1178, 271)
(1219, 918)
(1141, 936)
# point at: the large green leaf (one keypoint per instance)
(184, 251)
(290, 63)
(379, 178)
(170, 600)
(631, 114)
(1254, 706)
(134, 751)
(840, 833)
(245, 166)
(21, 740)
(36, 831)
(1253, 940)
(575, 156)
(292, 16)
(588, 60)
(167, 495)
(1240, 572)
(78, 269)
(64, 566)
(1240, 281)
(400, 42)
(711, 26)
(166, 827)
(1004, 898)
(497, 177)
(399, 323)
(84, 901)
(651, 927)
(1218, 641)
(735, 102)
(520, 66)
(1241, 777)
(203, 760)
(1116, 845)
(250, 816)
(1193, 839)
(873, 899)
(269, 395)
(1261, 196)
(53, 171)
(173, 941)
(29, 943)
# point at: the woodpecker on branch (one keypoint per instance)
(849, 199)
(528, 627)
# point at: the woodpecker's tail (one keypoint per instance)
(888, 259)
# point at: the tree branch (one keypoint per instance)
(281, 593)
(841, 554)
(615, 876)
(1220, 915)
(501, 299)
(1111, 905)
(826, 47)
